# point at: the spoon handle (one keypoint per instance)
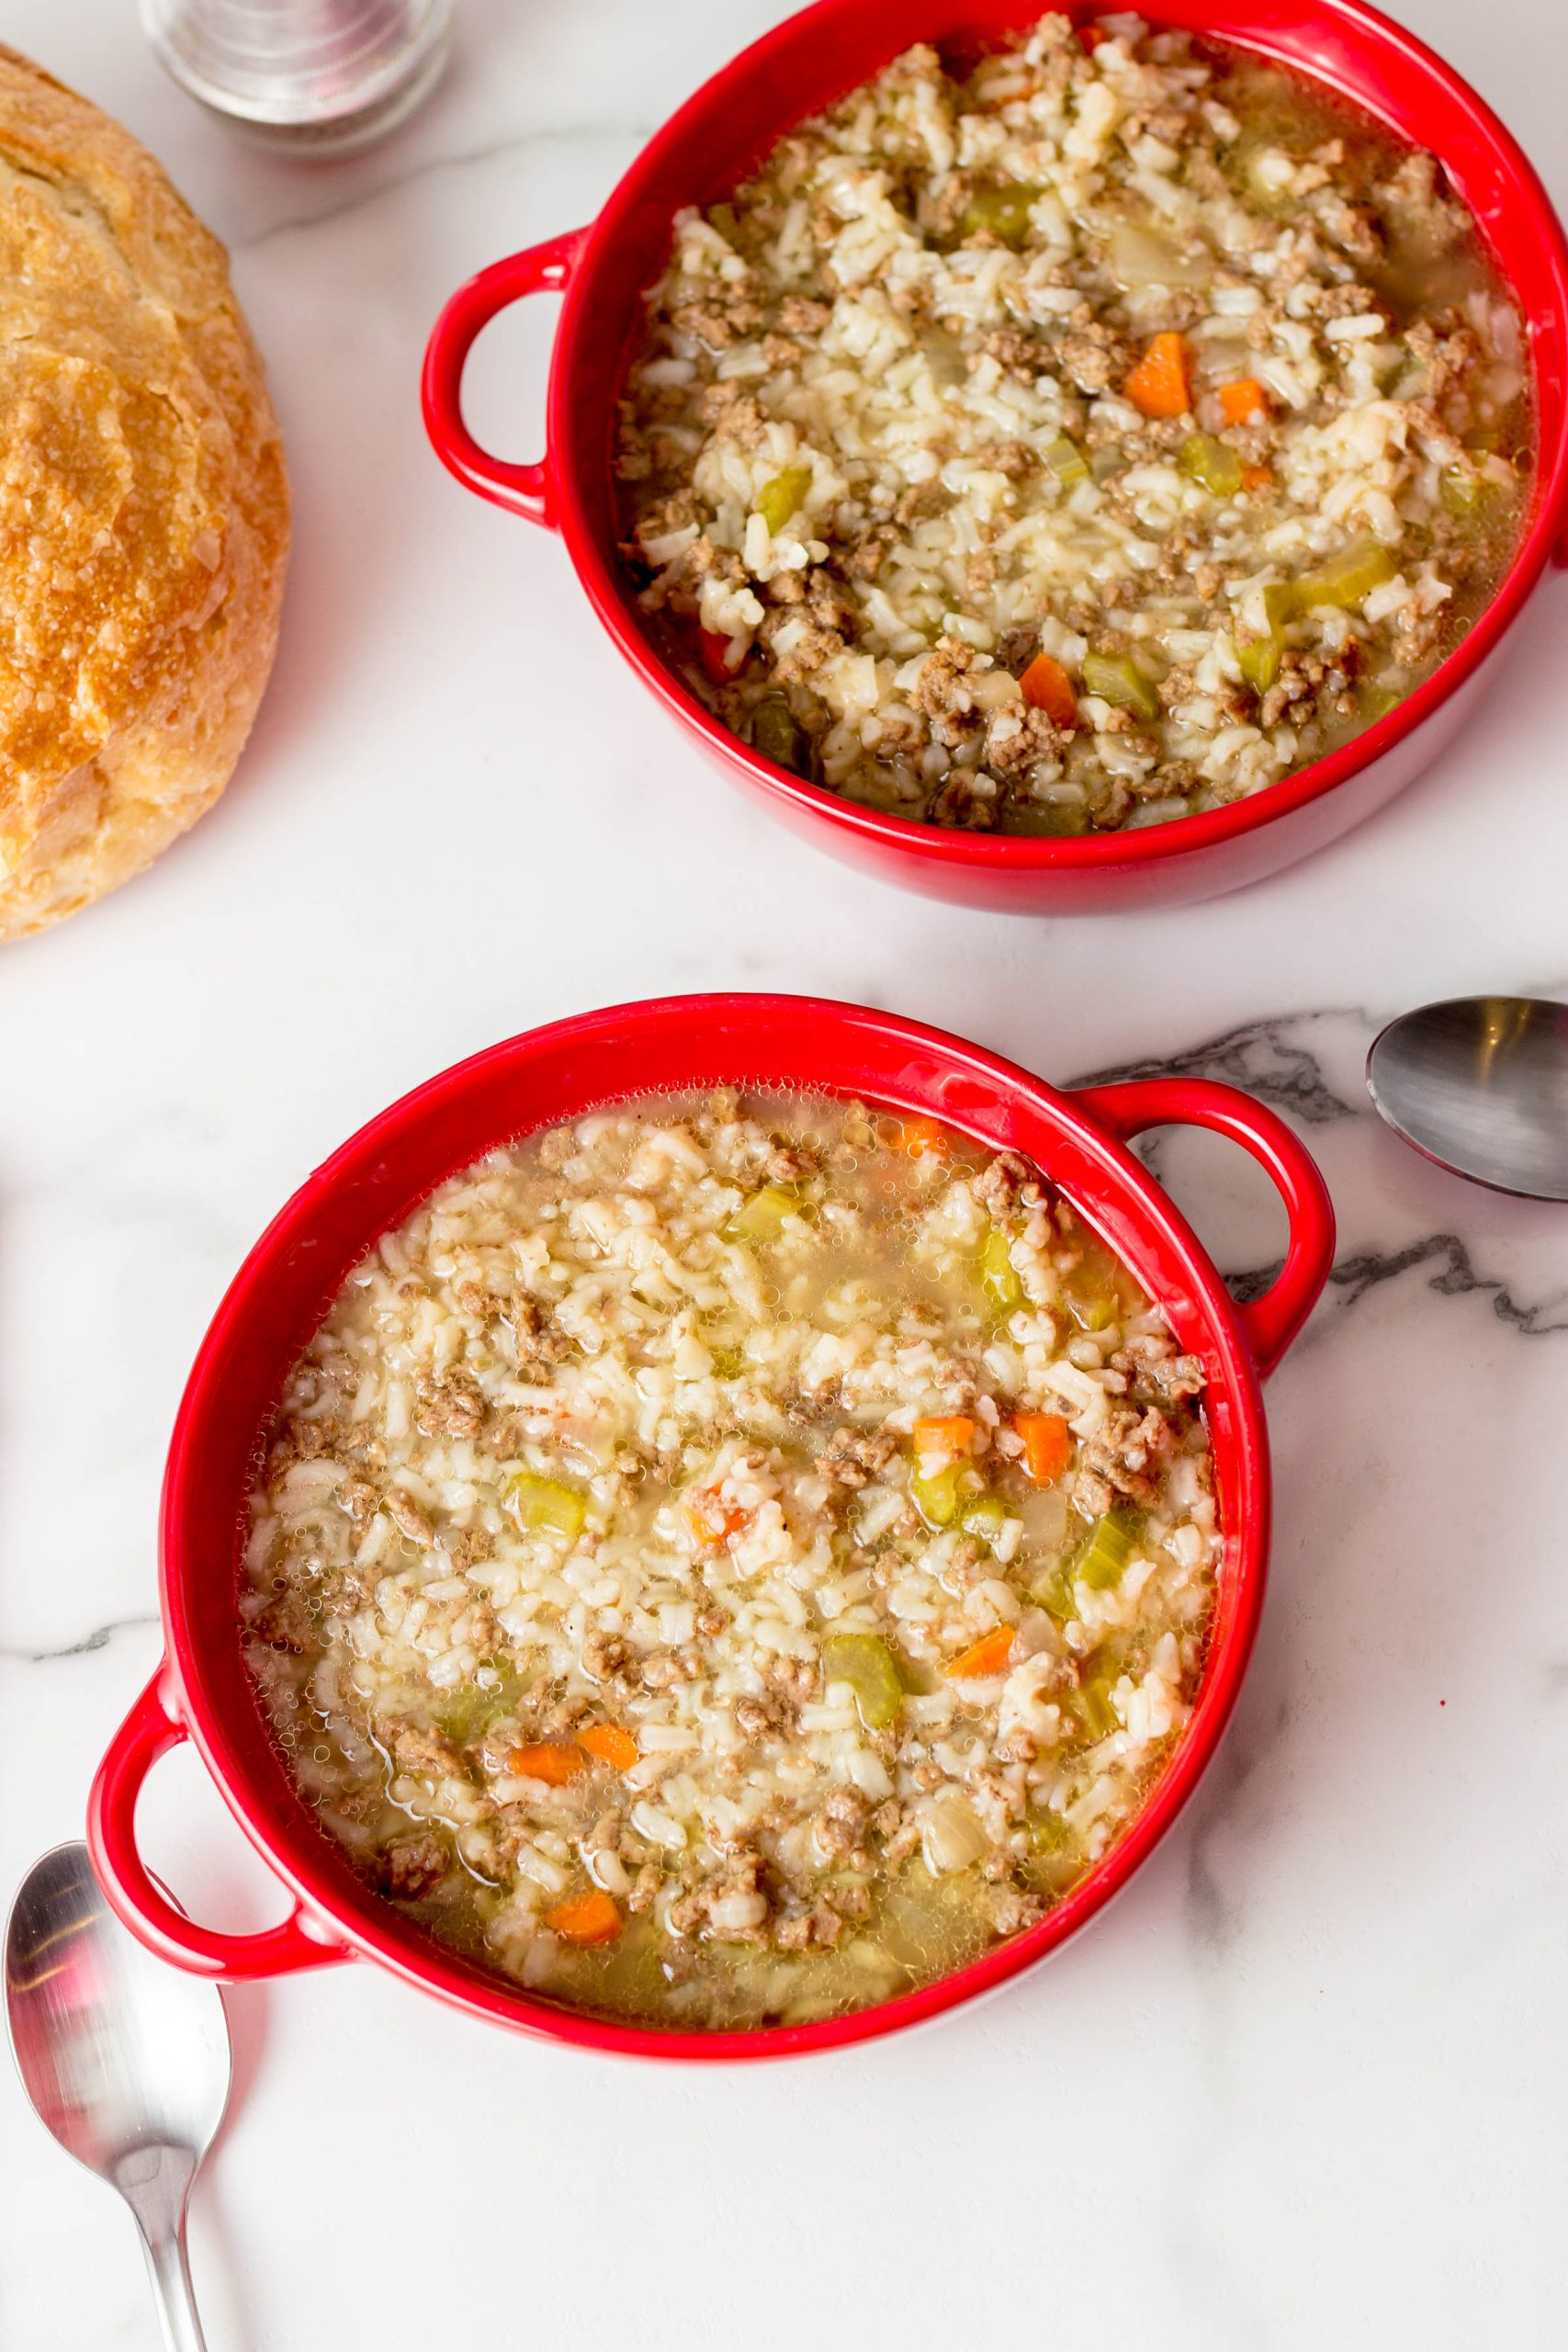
(165, 2246)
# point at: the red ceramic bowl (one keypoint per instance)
(806, 63)
(202, 1690)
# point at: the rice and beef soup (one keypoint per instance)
(729, 1561)
(1075, 439)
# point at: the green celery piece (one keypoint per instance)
(1044, 819)
(724, 218)
(1116, 678)
(1345, 580)
(1089, 1314)
(1054, 1592)
(1214, 464)
(868, 1665)
(780, 498)
(546, 1502)
(1068, 461)
(1279, 604)
(760, 1220)
(999, 1276)
(1002, 210)
(1091, 1709)
(1373, 703)
(937, 1498)
(1469, 496)
(776, 733)
(1258, 660)
(1102, 1558)
(986, 1517)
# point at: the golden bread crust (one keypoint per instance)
(143, 507)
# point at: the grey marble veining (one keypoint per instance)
(1302, 2087)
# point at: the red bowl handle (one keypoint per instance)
(1272, 1321)
(148, 1730)
(524, 490)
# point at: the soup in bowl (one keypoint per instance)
(1056, 465)
(717, 1528)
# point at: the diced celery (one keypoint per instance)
(1258, 660)
(1090, 1710)
(760, 1220)
(1213, 463)
(1091, 1311)
(1469, 496)
(1116, 678)
(1279, 604)
(776, 733)
(545, 1502)
(1373, 703)
(1068, 461)
(1004, 211)
(1044, 819)
(724, 218)
(1054, 1592)
(778, 499)
(1345, 580)
(1048, 1832)
(868, 1665)
(999, 1276)
(937, 1498)
(986, 1517)
(1101, 1559)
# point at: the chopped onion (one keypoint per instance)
(1144, 257)
(950, 1835)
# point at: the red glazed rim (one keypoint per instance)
(1352, 49)
(295, 1267)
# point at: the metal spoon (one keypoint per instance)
(127, 2060)
(1480, 1084)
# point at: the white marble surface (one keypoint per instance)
(1304, 2087)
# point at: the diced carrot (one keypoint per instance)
(946, 1433)
(713, 1522)
(1258, 477)
(585, 1919)
(1091, 36)
(610, 1745)
(1244, 398)
(713, 650)
(1157, 385)
(988, 1656)
(1047, 1445)
(920, 1136)
(546, 1762)
(1047, 687)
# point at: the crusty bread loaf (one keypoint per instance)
(143, 507)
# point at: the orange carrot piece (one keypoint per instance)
(988, 1656)
(610, 1745)
(1242, 399)
(546, 1762)
(948, 1434)
(1258, 477)
(1047, 687)
(1047, 1445)
(920, 1136)
(1157, 385)
(713, 1522)
(585, 1919)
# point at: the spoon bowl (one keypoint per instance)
(1480, 1084)
(125, 2060)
